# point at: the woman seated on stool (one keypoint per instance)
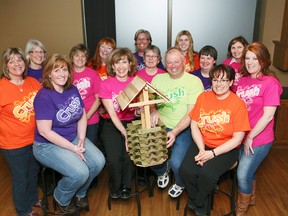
(60, 141)
(219, 121)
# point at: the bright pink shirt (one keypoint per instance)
(88, 85)
(236, 66)
(143, 74)
(110, 89)
(258, 93)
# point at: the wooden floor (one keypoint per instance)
(272, 194)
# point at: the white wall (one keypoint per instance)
(210, 22)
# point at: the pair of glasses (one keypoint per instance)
(143, 39)
(151, 56)
(38, 52)
(221, 81)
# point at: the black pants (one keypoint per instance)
(119, 165)
(200, 181)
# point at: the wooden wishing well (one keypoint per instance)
(147, 145)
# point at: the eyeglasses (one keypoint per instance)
(151, 56)
(38, 52)
(221, 81)
(143, 39)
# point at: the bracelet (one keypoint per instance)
(213, 152)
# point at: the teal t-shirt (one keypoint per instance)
(181, 92)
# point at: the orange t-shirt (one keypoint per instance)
(219, 119)
(196, 60)
(17, 117)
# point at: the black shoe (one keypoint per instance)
(115, 194)
(81, 202)
(202, 210)
(125, 193)
(71, 208)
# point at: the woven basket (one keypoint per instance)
(147, 147)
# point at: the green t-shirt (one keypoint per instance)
(181, 92)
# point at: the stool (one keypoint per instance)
(136, 193)
(45, 195)
(232, 171)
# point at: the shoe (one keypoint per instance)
(71, 208)
(115, 194)
(38, 204)
(33, 214)
(125, 193)
(162, 181)
(175, 190)
(202, 210)
(81, 202)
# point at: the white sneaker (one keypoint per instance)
(163, 181)
(175, 190)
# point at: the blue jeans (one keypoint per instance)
(248, 166)
(24, 169)
(76, 174)
(178, 152)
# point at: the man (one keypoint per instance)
(182, 89)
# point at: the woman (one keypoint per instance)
(17, 124)
(152, 57)
(234, 55)
(36, 55)
(104, 47)
(88, 83)
(218, 121)
(142, 40)
(60, 141)
(184, 42)
(261, 91)
(208, 57)
(121, 67)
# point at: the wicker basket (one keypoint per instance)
(147, 147)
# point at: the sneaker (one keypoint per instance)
(38, 204)
(162, 181)
(81, 202)
(175, 190)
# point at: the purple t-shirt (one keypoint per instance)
(63, 109)
(88, 84)
(257, 93)
(110, 89)
(37, 74)
(143, 74)
(205, 80)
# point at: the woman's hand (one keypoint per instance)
(203, 156)
(248, 146)
(79, 150)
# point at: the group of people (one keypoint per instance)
(217, 115)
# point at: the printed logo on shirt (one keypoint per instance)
(174, 97)
(115, 102)
(23, 110)
(141, 66)
(213, 121)
(71, 110)
(247, 94)
(82, 85)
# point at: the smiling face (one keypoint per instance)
(142, 42)
(121, 68)
(151, 59)
(37, 56)
(221, 86)
(252, 64)
(105, 50)
(206, 63)
(79, 60)
(15, 66)
(237, 50)
(59, 77)
(175, 63)
(184, 43)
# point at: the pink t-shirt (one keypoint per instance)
(143, 74)
(88, 85)
(258, 93)
(110, 89)
(236, 66)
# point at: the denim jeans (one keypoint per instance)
(248, 166)
(178, 152)
(76, 174)
(24, 169)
